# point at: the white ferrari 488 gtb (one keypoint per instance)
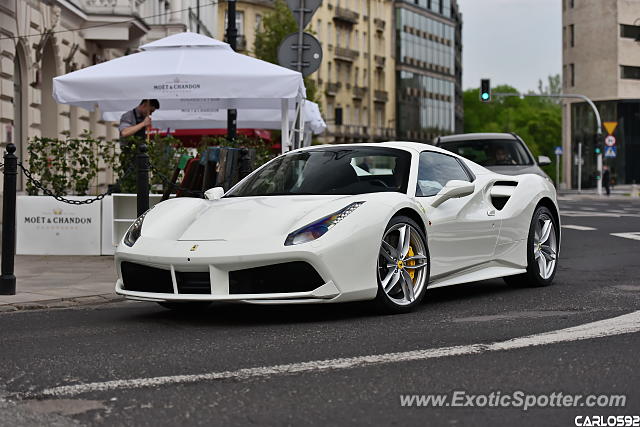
(338, 223)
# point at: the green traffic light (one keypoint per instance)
(598, 151)
(485, 96)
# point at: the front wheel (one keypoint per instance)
(542, 251)
(403, 266)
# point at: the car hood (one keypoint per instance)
(225, 219)
(518, 170)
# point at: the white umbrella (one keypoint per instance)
(184, 71)
(247, 119)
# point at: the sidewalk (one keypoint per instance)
(61, 281)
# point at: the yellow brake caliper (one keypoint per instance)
(411, 271)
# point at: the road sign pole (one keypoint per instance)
(297, 137)
(599, 163)
(580, 167)
(557, 171)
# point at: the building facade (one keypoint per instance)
(42, 39)
(428, 69)
(249, 14)
(601, 59)
(356, 79)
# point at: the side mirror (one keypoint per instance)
(215, 193)
(544, 161)
(454, 189)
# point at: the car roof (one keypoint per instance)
(406, 145)
(416, 147)
(476, 136)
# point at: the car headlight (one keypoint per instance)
(316, 229)
(133, 233)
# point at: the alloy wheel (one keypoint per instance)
(402, 264)
(545, 246)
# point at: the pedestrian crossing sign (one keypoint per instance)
(610, 152)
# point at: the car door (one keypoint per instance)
(462, 232)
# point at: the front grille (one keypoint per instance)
(295, 276)
(142, 278)
(193, 283)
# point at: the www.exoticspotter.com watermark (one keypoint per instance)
(517, 399)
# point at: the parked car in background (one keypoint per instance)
(504, 153)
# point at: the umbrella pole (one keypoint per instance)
(284, 137)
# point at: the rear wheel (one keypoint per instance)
(186, 305)
(542, 251)
(403, 266)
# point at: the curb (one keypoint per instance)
(62, 303)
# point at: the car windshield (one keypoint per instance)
(330, 170)
(491, 152)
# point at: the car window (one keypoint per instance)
(330, 170)
(491, 152)
(435, 170)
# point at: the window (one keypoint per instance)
(239, 21)
(571, 3)
(571, 35)
(258, 22)
(627, 72)
(435, 170)
(325, 171)
(490, 152)
(572, 74)
(630, 31)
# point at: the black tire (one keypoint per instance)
(533, 278)
(385, 303)
(185, 306)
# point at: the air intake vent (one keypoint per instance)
(287, 277)
(142, 278)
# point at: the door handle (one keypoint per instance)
(491, 212)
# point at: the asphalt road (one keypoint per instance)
(598, 279)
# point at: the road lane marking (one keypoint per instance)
(625, 324)
(590, 214)
(578, 227)
(633, 236)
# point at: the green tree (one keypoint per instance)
(276, 25)
(538, 121)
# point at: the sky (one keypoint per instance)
(514, 42)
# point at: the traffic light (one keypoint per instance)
(598, 144)
(485, 90)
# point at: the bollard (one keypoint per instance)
(634, 190)
(142, 185)
(8, 279)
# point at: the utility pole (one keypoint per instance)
(232, 36)
(598, 126)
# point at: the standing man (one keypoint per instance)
(133, 130)
(135, 122)
(606, 179)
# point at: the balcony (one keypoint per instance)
(381, 96)
(383, 134)
(113, 23)
(379, 24)
(346, 15)
(345, 54)
(359, 92)
(379, 60)
(331, 89)
(349, 133)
